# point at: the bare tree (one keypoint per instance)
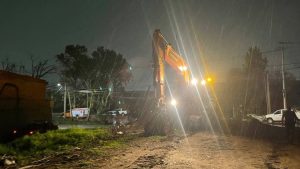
(12, 67)
(38, 70)
(41, 69)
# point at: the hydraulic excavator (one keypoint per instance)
(163, 52)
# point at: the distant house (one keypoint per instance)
(22, 101)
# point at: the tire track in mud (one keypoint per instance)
(155, 158)
(144, 153)
(272, 161)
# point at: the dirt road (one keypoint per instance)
(205, 150)
(200, 150)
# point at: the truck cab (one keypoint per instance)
(276, 116)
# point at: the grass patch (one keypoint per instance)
(57, 140)
(90, 141)
(113, 144)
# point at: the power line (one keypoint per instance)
(287, 64)
(272, 50)
(298, 67)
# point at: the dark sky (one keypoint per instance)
(218, 31)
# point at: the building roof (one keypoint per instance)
(6, 74)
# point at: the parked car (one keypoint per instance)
(117, 111)
(112, 115)
(276, 116)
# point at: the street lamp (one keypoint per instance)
(65, 96)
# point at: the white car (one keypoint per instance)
(117, 111)
(110, 116)
(277, 116)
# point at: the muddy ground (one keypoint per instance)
(206, 150)
(253, 145)
(198, 150)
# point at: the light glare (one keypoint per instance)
(173, 102)
(194, 81)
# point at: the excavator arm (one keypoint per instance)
(164, 52)
(158, 121)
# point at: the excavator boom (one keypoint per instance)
(164, 52)
(157, 121)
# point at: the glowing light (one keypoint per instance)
(173, 102)
(31, 132)
(209, 79)
(58, 85)
(15, 131)
(182, 68)
(203, 82)
(194, 81)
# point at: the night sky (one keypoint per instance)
(219, 32)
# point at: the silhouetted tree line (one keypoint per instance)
(245, 88)
(103, 72)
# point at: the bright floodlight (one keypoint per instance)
(209, 79)
(182, 68)
(173, 102)
(203, 82)
(194, 81)
(58, 84)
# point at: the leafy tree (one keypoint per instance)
(255, 71)
(103, 70)
(245, 88)
(254, 62)
(233, 91)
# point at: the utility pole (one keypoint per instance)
(65, 100)
(268, 98)
(283, 78)
(282, 70)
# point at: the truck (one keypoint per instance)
(276, 116)
(80, 112)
